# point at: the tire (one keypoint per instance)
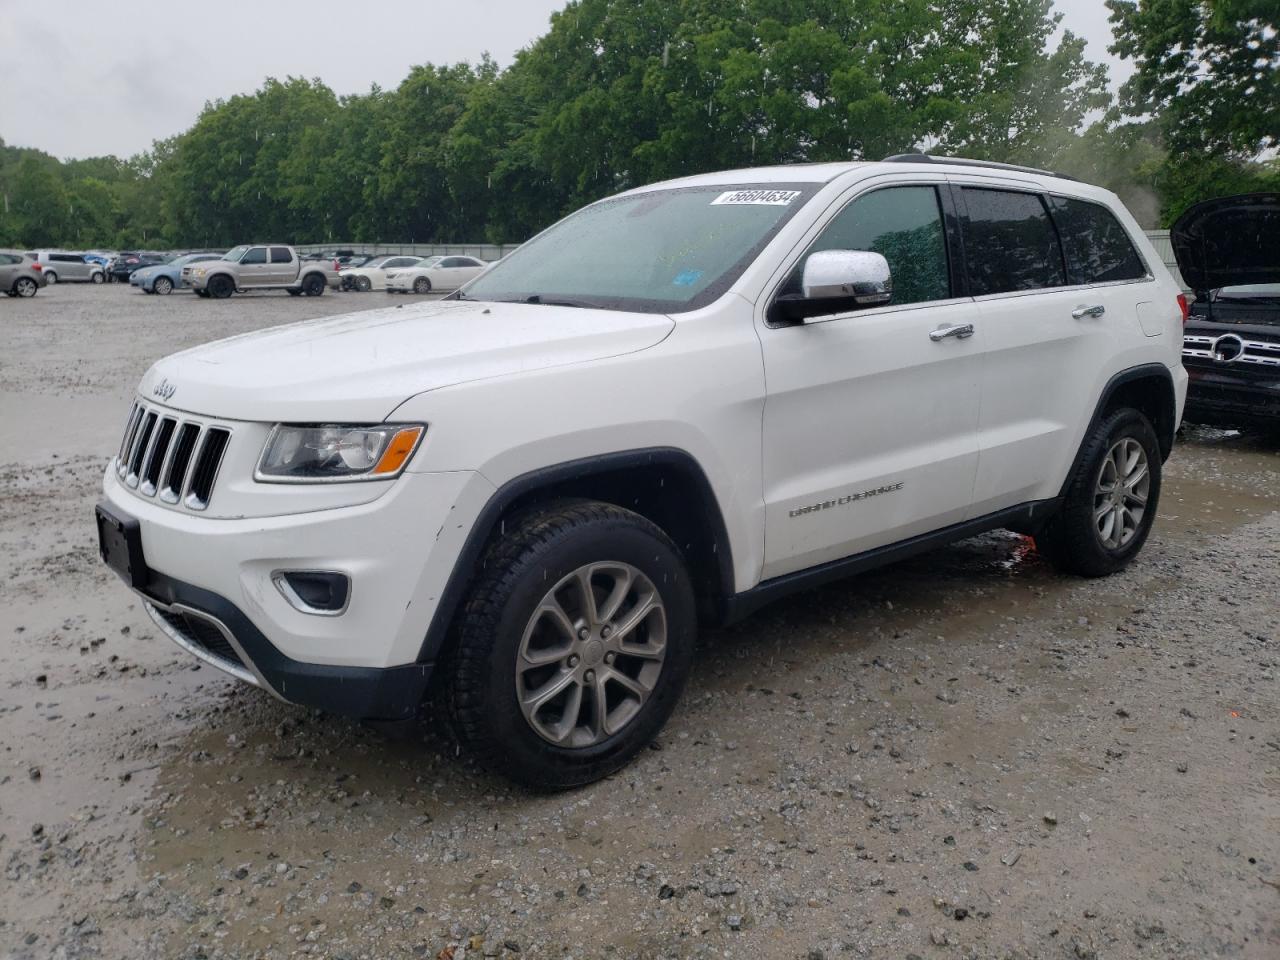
(50, 277)
(540, 557)
(162, 286)
(96, 277)
(313, 285)
(220, 286)
(25, 287)
(422, 285)
(363, 284)
(1082, 538)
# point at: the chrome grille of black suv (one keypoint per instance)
(1250, 349)
(172, 457)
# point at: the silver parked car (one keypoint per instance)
(62, 267)
(20, 275)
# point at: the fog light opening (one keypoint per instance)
(321, 593)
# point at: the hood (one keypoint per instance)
(361, 366)
(1229, 242)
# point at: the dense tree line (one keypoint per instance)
(624, 92)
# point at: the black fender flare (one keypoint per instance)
(1144, 371)
(466, 564)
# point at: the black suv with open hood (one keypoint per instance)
(1229, 253)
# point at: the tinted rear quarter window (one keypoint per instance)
(1098, 248)
(1010, 242)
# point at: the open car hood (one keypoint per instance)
(1229, 242)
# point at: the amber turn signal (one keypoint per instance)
(398, 450)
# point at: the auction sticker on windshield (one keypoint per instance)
(759, 198)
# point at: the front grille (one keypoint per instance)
(201, 633)
(175, 457)
(1253, 351)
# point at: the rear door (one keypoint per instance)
(284, 268)
(870, 430)
(1053, 337)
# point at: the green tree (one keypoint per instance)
(1208, 71)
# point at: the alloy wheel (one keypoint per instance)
(1120, 494)
(591, 654)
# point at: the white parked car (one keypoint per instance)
(373, 275)
(667, 410)
(435, 273)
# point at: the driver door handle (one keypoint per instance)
(1079, 313)
(961, 331)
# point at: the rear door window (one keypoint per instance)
(281, 255)
(1010, 242)
(1098, 248)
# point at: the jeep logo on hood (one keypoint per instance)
(164, 390)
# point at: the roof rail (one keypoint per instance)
(962, 162)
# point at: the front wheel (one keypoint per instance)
(96, 278)
(1111, 501)
(162, 286)
(422, 285)
(313, 285)
(221, 286)
(573, 645)
(364, 284)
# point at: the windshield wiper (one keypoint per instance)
(540, 300)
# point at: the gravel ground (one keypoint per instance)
(965, 755)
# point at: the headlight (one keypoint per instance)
(199, 271)
(328, 452)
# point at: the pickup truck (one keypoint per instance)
(260, 267)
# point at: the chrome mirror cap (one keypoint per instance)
(859, 275)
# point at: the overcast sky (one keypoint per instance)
(82, 80)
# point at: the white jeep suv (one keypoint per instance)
(668, 409)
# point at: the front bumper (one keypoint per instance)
(202, 574)
(1231, 401)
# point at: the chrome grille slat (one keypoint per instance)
(131, 432)
(156, 456)
(171, 457)
(140, 445)
(179, 463)
(204, 473)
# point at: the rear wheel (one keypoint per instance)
(221, 286)
(1111, 501)
(162, 286)
(50, 277)
(25, 287)
(422, 285)
(313, 285)
(573, 645)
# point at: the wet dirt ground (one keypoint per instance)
(965, 755)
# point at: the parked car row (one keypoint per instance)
(260, 266)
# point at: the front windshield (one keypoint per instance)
(235, 253)
(662, 251)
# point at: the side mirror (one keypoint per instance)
(837, 281)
